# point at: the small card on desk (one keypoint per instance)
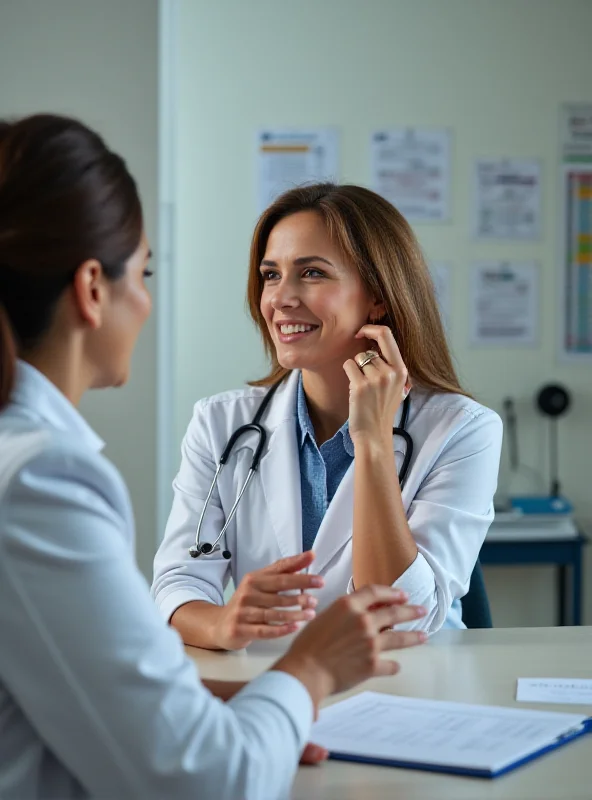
(434, 735)
(555, 690)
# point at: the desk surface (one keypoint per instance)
(467, 666)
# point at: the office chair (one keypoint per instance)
(475, 604)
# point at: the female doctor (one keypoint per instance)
(343, 299)
(97, 698)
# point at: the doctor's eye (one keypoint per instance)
(312, 272)
(269, 275)
(147, 273)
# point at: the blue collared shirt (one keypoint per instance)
(321, 468)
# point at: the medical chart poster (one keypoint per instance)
(504, 303)
(506, 199)
(287, 158)
(576, 263)
(576, 133)
(411, 169)
(440, 273)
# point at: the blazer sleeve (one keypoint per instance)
(449, 518)
(101, 678)
(179, 578)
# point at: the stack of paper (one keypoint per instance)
(484, 741)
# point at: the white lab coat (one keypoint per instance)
(97, 697)
(448, 497)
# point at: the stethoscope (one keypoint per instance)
(255, 426)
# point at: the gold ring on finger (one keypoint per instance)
(366, 358)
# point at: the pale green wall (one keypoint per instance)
(99, 61)
(494, 71)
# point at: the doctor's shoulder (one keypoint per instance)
(446, 416)
(215, 418)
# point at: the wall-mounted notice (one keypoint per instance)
(411, 169)
(440, 273)
(575, 295)
(507, 199)
(576, 133)
(287, 158)
(504, 303)
(577, 262)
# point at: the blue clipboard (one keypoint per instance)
(474, 773)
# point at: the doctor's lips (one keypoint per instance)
(292, 330)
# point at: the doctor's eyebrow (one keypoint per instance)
(303, 261)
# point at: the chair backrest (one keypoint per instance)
(476, 612)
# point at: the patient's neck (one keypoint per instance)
(61, 361)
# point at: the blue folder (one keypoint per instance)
(475, 773)
(413, 733)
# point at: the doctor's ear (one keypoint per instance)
(377, 314)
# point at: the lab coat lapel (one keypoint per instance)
(280, 469)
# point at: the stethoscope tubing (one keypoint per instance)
(198, 549)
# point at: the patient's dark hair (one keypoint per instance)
(64, 198)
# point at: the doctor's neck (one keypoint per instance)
(327, 396)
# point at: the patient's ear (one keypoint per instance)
(88, 288)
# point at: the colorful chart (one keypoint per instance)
(577, 333)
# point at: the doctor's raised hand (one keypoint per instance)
(378, 385)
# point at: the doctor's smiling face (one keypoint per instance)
(326, 259)
(313, 299)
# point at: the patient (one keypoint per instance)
(97, 697)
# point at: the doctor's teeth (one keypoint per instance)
(288, 329)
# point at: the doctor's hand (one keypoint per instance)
(376, 390)
(258, 609)
(344, 644)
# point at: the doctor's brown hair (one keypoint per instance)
(64, 198)
(378, 241)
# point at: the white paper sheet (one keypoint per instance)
(555, 690)
(419, 731)
(504, 303)
(287, 158)
(507, 199)
(411, 169)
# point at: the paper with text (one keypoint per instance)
(555, 690)
(412, 730)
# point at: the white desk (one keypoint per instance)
(470, 666)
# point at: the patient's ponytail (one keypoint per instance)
(64, 198)
(7, 357)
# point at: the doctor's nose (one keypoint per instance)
(285, 296)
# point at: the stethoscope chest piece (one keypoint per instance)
(206, 549)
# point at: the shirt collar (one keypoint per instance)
(304, 424)
(34, 392)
